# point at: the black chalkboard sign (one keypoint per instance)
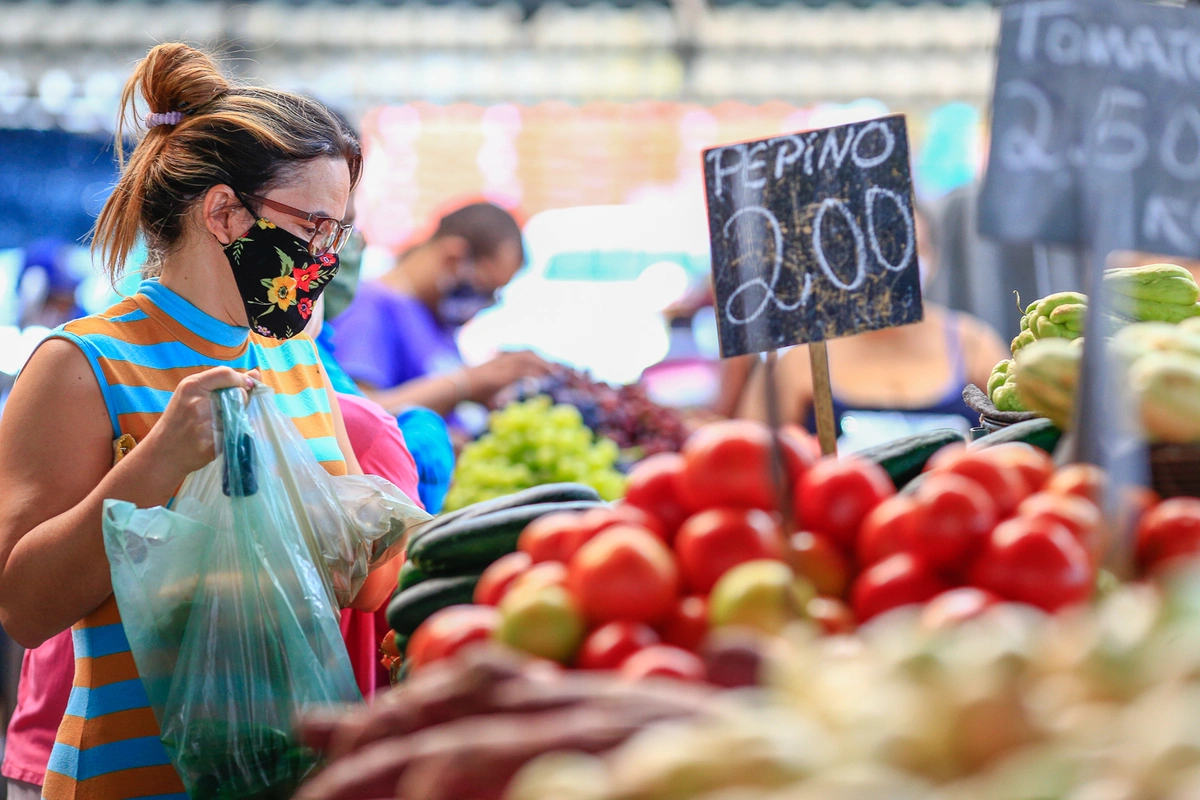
(1096, 98)
(813, 235)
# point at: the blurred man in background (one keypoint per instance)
(46, 288)
(396, 339)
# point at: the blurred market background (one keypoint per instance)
(586, 118)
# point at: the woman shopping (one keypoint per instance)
(239, 193)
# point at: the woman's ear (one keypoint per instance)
(224, 216)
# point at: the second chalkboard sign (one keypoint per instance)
(813, 235)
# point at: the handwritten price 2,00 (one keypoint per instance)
(747, 171)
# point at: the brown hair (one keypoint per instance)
(248, 138)
(485, 226)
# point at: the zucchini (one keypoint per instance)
(409, 575)
(416, 604)
(904, 458)
(1039, 432)
(546, 493)
(469, 545)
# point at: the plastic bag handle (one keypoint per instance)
(238, 478)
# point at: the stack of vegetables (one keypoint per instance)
(530, 444)
(698, 545)
(1158, 339)
(1003, 703)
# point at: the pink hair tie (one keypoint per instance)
(163, 118)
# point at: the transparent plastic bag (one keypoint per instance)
(229, 598)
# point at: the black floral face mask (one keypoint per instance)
(278, 279)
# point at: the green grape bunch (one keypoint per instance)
(532, 443)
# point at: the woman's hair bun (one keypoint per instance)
(176, 77)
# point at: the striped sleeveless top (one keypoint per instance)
(108, 744)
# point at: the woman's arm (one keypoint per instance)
(56, 471)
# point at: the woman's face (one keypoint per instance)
(320, 186)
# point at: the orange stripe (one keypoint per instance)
(130, 783)
(106, 613)
(138, 331)
(84, 734)
(314, 426)
(335, 468)
(138, 423)
(93, 673)
(120, 309)
(178, 331)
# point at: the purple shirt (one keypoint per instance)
(386, 338)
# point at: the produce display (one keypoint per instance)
(447, 554)
(1155, 308)
(925, 703)
(698, 545)
(624, 414)
(533, 443)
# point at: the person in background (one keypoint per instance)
(396, 339)
(890, 382)
(46, 286)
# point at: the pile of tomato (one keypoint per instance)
(631, 588)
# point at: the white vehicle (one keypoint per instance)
(592, 293)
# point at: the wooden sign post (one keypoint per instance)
(813, 237)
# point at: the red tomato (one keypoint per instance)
(554, 537)
(387, 645)
(812, 556)
(548, 573)
(625, 573)
(687, 625)
(1085, 480)
(598, 519)
(1033, 463)
(729, 465)
(712, 542)
(1169, 531)
(945, 457)
(654, 487)
(831, 614)
(663, 661)
(899, 580)
(836, 494)
(450, 630)
(1035, 561)
(608, 646)
(887, 530)
(496, 579)
(954, 517)
(955, 606)
(1080, 516)
(1002, 481)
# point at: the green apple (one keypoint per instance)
(764, 595)
(544, 621)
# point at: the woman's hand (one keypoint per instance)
(506, 368)
(182, 438)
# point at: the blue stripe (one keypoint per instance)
(145, 751)
(303, 403)
(120, 696)
(326, 448)
(139, 399)
(161, 355)
(103, 640)
(282, 358)
(85, 346)
(133, 316)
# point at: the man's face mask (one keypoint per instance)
(462, 300)
(278, 279)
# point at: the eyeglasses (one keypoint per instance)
(330, 233)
